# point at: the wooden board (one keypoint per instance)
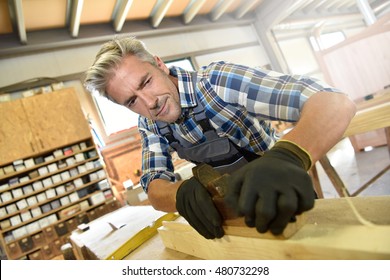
(237, 227)
(332, 231)
(370, 119)
(101, 240)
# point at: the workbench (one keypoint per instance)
(331, 231)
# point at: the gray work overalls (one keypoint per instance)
(216, 151)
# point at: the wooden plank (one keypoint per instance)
(237, 227)
(312, 242)
(369, 119)
(332, 231)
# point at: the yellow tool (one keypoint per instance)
(139, 238)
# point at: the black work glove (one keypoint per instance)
(194, 203)
(271, 190)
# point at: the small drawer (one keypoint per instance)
(38, 239)
(101, 210)
(36, 255)
(71, 224)
(56, 247)
(47, 252)
(26, 244)
(113, 205)
(50, 234)
(14, 250)
(61, 229)
(82, 219)
(92, 215)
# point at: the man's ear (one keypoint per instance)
(161, 64)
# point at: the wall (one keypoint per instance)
(299, 55)
(360, 65)
(251, 56)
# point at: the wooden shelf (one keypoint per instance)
(41, 197)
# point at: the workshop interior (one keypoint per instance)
(71, 161)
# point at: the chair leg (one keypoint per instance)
(334, 177)
(316, 181)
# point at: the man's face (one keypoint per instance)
(145, 89)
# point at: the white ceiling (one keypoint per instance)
(30, 25)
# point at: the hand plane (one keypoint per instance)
(216, 185)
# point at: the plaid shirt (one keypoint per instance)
(239, 102)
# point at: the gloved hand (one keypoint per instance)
(271, 190)
(194, 203)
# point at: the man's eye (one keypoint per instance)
(130, 102)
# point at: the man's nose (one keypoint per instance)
(150, 100)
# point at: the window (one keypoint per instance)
(327, 40)
(117, 117)
(184, 63)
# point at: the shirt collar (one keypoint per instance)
(185, 86)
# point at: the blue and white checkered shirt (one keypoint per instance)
(240, 103)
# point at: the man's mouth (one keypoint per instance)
(162, 108)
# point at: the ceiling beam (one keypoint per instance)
(301, 23)
(367, 12)
(75, 16)
(336, 6)
(381, 5)
(220, 9)
(192, 10)
(273, 12)
(121, 14)
(96, 34)
(17, 10)
(245, 8)
(312, 6)
(329, 4)
(160, 12)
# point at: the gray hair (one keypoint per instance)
(110, 57)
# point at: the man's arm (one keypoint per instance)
(324, 119)
(272, 190)
(162, 194)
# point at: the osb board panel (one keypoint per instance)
(16, 138)
(332, 232)
(56, 118)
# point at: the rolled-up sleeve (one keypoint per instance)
(156, 157)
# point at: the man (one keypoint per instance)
(220, 115)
